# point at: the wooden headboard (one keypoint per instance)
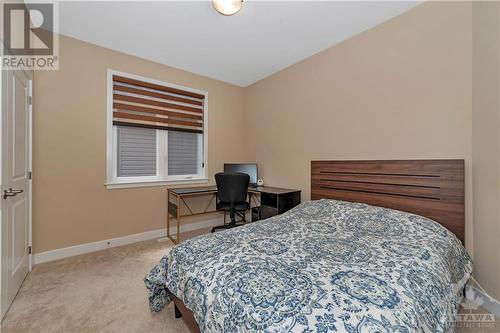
(430, 188)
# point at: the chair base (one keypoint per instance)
(225, 226)
(232, 224)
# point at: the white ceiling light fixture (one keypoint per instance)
(227, 7)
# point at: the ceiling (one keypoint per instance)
(263, 38)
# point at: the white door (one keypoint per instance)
(16, 185)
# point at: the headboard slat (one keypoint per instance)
(431, 188)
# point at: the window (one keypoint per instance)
(156, 132)
(183, 153)
(135, 152)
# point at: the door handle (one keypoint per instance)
(15, 191)
(7, 194)
(11, 193)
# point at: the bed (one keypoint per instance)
(363, 256)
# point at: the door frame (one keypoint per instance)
(3, 103)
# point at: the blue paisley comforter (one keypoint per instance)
(324, 266)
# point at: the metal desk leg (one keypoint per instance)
(177, 216)
(168, 213)
(178, 238)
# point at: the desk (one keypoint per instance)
(274, 200)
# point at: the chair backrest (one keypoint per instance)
(232, 186)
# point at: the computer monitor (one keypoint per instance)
(248, 168)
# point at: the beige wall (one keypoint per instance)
(71, 204)
(486, 143)
(399, 90)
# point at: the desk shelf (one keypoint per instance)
(275, 203)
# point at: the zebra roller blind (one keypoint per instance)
(183, 153)
(143, 104)
(136, 152)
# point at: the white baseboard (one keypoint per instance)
(76, 250)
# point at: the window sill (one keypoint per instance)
(130, 184)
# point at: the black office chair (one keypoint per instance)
(232, 192)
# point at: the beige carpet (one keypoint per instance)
(98, 292)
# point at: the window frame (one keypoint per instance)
(161, 178)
